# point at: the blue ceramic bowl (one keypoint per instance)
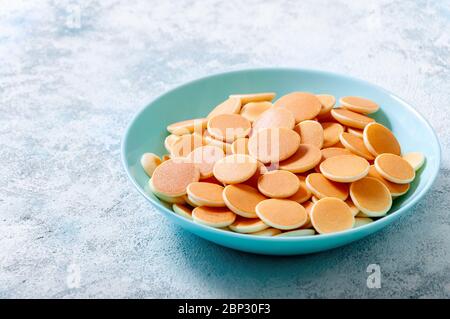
(147, 131)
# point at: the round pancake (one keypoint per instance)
(228, 127)
(359, 104)
(234, 169)
(378, 139)
(242, 199)
(394, 168)
(247, 225)
(305, 158)
(281, 213)
(322, 187)
(345, 168)
(172, 177)
(205, 194)
(278, 184)
(331, 215)
(350, 118)
(274, 117)
(304, 106)
(371, 196)
(216, 217)
(311, 132)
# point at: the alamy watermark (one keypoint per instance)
(73, 279)
(374, 278)
(73, 19)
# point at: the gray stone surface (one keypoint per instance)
(73, 73)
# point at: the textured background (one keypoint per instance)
(72, 75)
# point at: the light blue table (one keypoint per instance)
(71, 77)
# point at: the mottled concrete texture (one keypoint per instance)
(72, 75)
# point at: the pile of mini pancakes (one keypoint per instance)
(293, 167)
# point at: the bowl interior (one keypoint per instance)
(147, 130)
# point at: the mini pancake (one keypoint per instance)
(240, 146)
(355, 145)
(305, 158)
(254, 97)
(185, 145)
(268, 232)
(356, 132)
(353, 208)
(297, 233)
(278, 184)
(234, 169)
(165, 198)
(322, 187)
(274, 117)
(282, 213)
(371, 196)
(169, 141)
(251, 111)
(242, 199)
(205, 157)
(205, 194)
(149, 162)
(228, 127)
(361, 221)
(330, 152)
(327, 102)
(172, 177)
(230, 106)
(247, 225)
(182, 210)
(345, 168)
(192, 202)
(216, 217)
(303, 193)
(394, 168)
(189, 201)
(308, 206)
(311, 132)
(359, 104)
(260, 170)
(304, 106)
(330, 215)
(271, 145)
(349, 118)
(188, 126)
(331, 133)
(415, 159)
(378, 139)
(209, 140)
(394, 189)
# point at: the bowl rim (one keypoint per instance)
(369, 228)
